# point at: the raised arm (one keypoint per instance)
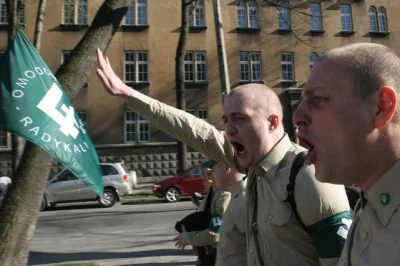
(181, 125)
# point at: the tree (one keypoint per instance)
(187, 7)
(20, 209)
(222, 61)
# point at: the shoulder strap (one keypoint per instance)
(207, 208)
(296, 166)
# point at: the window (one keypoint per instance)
(199, 113)
(65, 55)
(137, 13)
(247, 14)
(284, 17)
(195, 66)
(4, 13)
(67, 175)
(382, 20)
(250, 66)
(108, 170)
(83, 117)
(136, 67)
(4, 139)
(287, 67)
(197, 17)
(137, 128)
(316, 17)
(75, 12)
(313, 60)
(373, 21)
(346, 18)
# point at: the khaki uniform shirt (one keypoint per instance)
(231, 249)
(219, 203)
(281, 238)
(376, 228)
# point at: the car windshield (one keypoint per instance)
(192, 171)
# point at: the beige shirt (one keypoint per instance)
(219, 203)
(376, 229)
(282, 240)
(231, 249)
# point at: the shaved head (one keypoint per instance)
(260, 98)
(369, 65)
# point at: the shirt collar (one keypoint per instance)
(384, 195)
(271, 162)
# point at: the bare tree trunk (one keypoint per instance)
(20, 209)
(222, 61)
(180, 74)
(16, 142)
(39, 24)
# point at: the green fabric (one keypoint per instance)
(330, 234)
(34, 106)
(215, 223)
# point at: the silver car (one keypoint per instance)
(66, 187)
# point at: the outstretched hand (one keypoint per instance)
(111, 81)
(181, 241)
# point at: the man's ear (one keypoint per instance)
(386, 106)
(273, 121)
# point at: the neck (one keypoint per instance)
(375, 168)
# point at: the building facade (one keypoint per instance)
(276, 45)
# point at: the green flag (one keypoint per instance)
(34, 106)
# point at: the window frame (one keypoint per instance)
(249, 63)
(381, 11)
(195, 19)
(76, 17)
(136, 63)
(137, 122)
(194, 65)
(244, 16)
(196, 113)
(138, 18)
(312, 63)
(317, 18)
(284, 10)
(287, 63)
(346, 15)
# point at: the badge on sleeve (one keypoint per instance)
(215, 224)
(385, 198)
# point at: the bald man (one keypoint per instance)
(350, 121)
(254, 139)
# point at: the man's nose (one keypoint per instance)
(300, 117)
(230, 129)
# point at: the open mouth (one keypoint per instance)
(239, 148)
(311, 155)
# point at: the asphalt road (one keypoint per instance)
(130, 233)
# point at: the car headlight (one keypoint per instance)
(156, 186)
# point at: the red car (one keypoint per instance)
(184, 184)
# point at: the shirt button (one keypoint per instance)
(270, 217)
(365, 235)
(259, 178)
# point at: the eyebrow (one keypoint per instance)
(311, 91)
(231, 114)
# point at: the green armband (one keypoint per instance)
(215, 223)
(330, 234)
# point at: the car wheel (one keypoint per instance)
(43, 206)
(172, 194)
(109, 198)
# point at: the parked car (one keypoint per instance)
(184, 184)
(66, 187)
